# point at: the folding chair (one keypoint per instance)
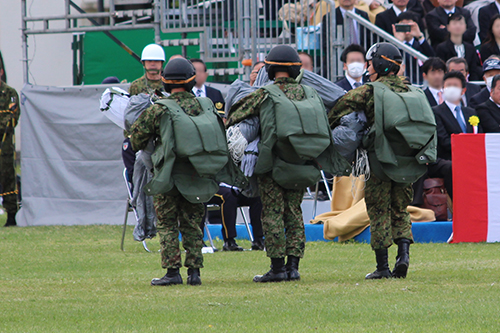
(129, 208)
(210, 208)
(250, 235)
(214, 207)
(325, 181)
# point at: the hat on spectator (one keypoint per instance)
(491, 64)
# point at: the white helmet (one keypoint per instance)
(153, 52)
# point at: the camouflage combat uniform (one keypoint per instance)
(281, 212)
(9, 115)
(173, 211)
(143, 85)
(386, 201)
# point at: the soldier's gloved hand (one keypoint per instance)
(250, 158)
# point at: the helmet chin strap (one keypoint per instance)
(153, 71)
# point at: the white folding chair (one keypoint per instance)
(129, 208)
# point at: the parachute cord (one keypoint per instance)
(361, 167)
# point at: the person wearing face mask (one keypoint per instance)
(451, 118)
(354, 61)
(460, 65)
(491, 67)
(395, 158)
(489, 111)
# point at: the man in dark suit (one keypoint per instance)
(358, 31)
(489, 111)
(484, 18)
(433, 71)
(387, 18)
(354, 61)
(201, 90)
(460, 65)
(491, 67)
(451, 118)
(415, 39)
(437, 20)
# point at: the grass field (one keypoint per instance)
(64, 279)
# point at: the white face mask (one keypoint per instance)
(355, 69)
(488, 82)
(452, 94)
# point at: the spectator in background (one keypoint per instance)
(460, 65)
(437, 21)
(485, 17)
(455, 46)
(489, 111)
(307, 61)
(416, 40)
(490, 44)
(255, 71)
(491, 67)
(451, 118)
(433, 71)
(354, 61)
(357, 32)
(202, 90)
(386, 19)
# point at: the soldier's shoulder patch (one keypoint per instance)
(125, 146)
(218, 105)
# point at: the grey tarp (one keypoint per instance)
(327, 90)
(71, 158)
(144, 205)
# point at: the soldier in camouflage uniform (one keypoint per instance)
(281, 212)
(9, 115)
(386, 201)
(152, 58)
(173, 211)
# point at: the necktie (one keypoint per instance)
(460, 120)
(353, 31)
(357, 84)
(199, 92)
(440, 97)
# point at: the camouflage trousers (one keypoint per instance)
(8, 173)
(174, 214)
(386, 203)
(281, 219)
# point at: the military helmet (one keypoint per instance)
(385, 58)
(283, 58)
(179, 73)
(153, 52)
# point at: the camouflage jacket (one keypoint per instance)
(142, 85)
(361, 99)
(148, 124)
(250, 105)
(9, 105)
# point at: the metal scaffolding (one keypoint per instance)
(226, 31)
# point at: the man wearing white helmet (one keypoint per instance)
(152, 59)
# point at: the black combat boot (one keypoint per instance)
(230, 245)
(402, 259)
(11, 220)
(276, 274)
(194, 277)
(292, 268)
(172, 277)
(258, 244)
(382, 271)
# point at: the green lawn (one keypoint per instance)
(59, 279)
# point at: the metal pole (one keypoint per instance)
(157, 21)
(24, 28)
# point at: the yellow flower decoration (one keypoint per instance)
(474, 120)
